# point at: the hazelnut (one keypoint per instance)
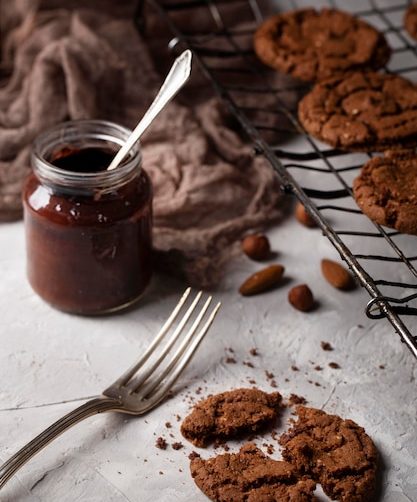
(301, 298)
(304, 217)
(256, 246)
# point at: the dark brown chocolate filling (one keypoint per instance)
(85, 160)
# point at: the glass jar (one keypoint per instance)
(88, 230)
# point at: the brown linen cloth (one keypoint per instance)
(63, 60)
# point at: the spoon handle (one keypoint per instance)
(176, 78)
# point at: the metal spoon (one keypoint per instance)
(176, 78)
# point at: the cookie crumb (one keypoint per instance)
(161, 443)
(294, 399)
(248, 364)
(254, 352)
(168, 425)
(193, 455)
(326, 346)
(294, 368)
(269, 374)
(381, 366)
(230, 360)
(177, 445)
(318, 368)
(334, 365)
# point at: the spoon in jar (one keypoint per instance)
(176, 78)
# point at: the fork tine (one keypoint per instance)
(182, 361)
(178, 330)
(162, 332)
(149, 386)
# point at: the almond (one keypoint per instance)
(301, 298)
(303, 216)
(256, 246)
(262, 280)
(336, 275)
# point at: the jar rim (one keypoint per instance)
(69, 132)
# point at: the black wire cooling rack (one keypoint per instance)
(299, 160)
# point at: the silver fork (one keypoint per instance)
(141, 387)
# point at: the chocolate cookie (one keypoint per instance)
(386, 191)
(250, 476)
(336, 453)
(410, 20)
(230, 414)
(362, 111)
(313, 45)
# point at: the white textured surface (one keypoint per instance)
(49, 361)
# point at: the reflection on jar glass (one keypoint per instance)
(88, 230)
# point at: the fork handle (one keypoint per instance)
(88, 409)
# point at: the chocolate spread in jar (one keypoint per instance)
(89, 251)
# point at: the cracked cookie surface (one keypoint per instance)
(362, 111)
(386, 191)
(314, 45)
(230, 414)
(336, 453)
(250, 476)
(410, 20)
